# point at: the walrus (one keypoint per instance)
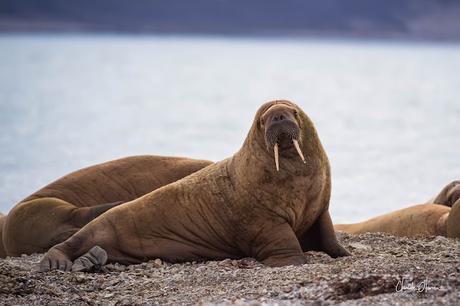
(438, 217)
(57, 211)
(265, 202)
(2, 248)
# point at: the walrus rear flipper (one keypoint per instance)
(83, 215)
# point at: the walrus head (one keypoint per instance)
(281, 126)
(449, 194)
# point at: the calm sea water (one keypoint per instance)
(388, 113)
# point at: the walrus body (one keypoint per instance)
(241, 206)
(2, 247)
(439, 217)
(57, 211)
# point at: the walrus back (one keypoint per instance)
(123, 179)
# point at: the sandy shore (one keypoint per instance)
(428, 268)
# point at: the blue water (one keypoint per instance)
(388, 113)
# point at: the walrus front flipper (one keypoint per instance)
(321, 237)
(94, 258)
(278, 247)
(55, 259)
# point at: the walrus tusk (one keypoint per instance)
(277, 162)
(297, 147)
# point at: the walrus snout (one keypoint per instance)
(282, 132)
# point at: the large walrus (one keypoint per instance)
(265, 202)
(57, 211)
(440, 216)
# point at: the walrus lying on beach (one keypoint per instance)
(57, 211)
(263, 202)
(2, 248)
(440, 216)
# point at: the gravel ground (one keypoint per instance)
(429, 268)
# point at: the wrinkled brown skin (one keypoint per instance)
(57, 211)
(2, 248)
(439, 217)
(235, 208)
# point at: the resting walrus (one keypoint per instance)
(440, 216)
(57, 211)
(2, 248)
(246, 205)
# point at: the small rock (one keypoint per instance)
(360, 246)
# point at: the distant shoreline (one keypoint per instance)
(306, 35)
(414, 20)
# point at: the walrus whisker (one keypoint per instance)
(277, 162)
(297, 147)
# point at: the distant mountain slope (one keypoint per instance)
(409, 18)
